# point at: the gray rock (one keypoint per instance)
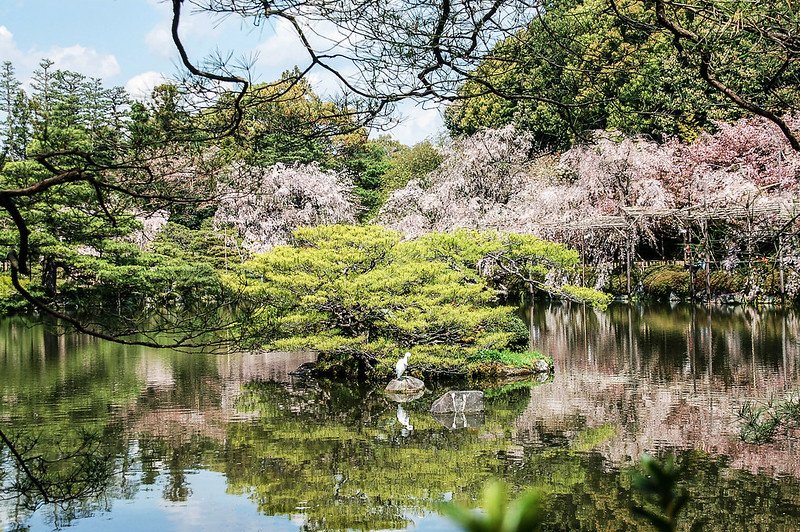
(405, 385)
(466, 402)
(540, 366)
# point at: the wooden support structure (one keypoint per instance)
(628, 260)
(689, 258)
(780, 216)
(707, 260)
(780, 268)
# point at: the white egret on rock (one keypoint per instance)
(402, 364)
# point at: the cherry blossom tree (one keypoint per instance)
(266, 204)
(615, 193)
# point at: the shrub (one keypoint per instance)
(660, 282)
(361, 297)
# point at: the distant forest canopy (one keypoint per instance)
(659, 69)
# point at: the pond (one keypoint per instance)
(127, 438)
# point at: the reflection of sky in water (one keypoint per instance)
(208, 508)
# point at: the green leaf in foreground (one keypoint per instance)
(522, 514)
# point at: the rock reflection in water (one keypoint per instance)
(459, 420)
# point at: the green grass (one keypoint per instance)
(506, 357)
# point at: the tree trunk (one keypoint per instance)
(49, 276)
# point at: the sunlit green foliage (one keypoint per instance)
(406, 164)
(362, 296)
(518, 263)
(282, 124)
(589, 64)
(506, 357)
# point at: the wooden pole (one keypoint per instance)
(780, 267)
(628, 260)
(530, 323)
(583, 260)
(707, 261)
(750, 278)
(691, 262)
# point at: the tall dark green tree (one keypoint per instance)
(42, 102)
(15, 127)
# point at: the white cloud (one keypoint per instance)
(196, 29)
(8, 48)
(417, 123)
(6, 39)
(282, 49)
(87, 61)
(141, 85)
(159, 41)
(325, 83)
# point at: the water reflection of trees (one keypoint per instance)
(668, 378)
(333, 457)
(341, 454)
(64, 448)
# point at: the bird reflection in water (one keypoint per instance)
(404, 419)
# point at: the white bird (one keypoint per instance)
(402, 364)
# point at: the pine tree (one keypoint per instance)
(14, 129)
(42, 101)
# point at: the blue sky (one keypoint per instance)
(127, 43)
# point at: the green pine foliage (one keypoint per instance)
(361, 296)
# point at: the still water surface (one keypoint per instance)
(135, 439)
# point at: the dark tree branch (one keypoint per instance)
(18, 260)
(24, 466)
(705, 55)
(238, 112)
